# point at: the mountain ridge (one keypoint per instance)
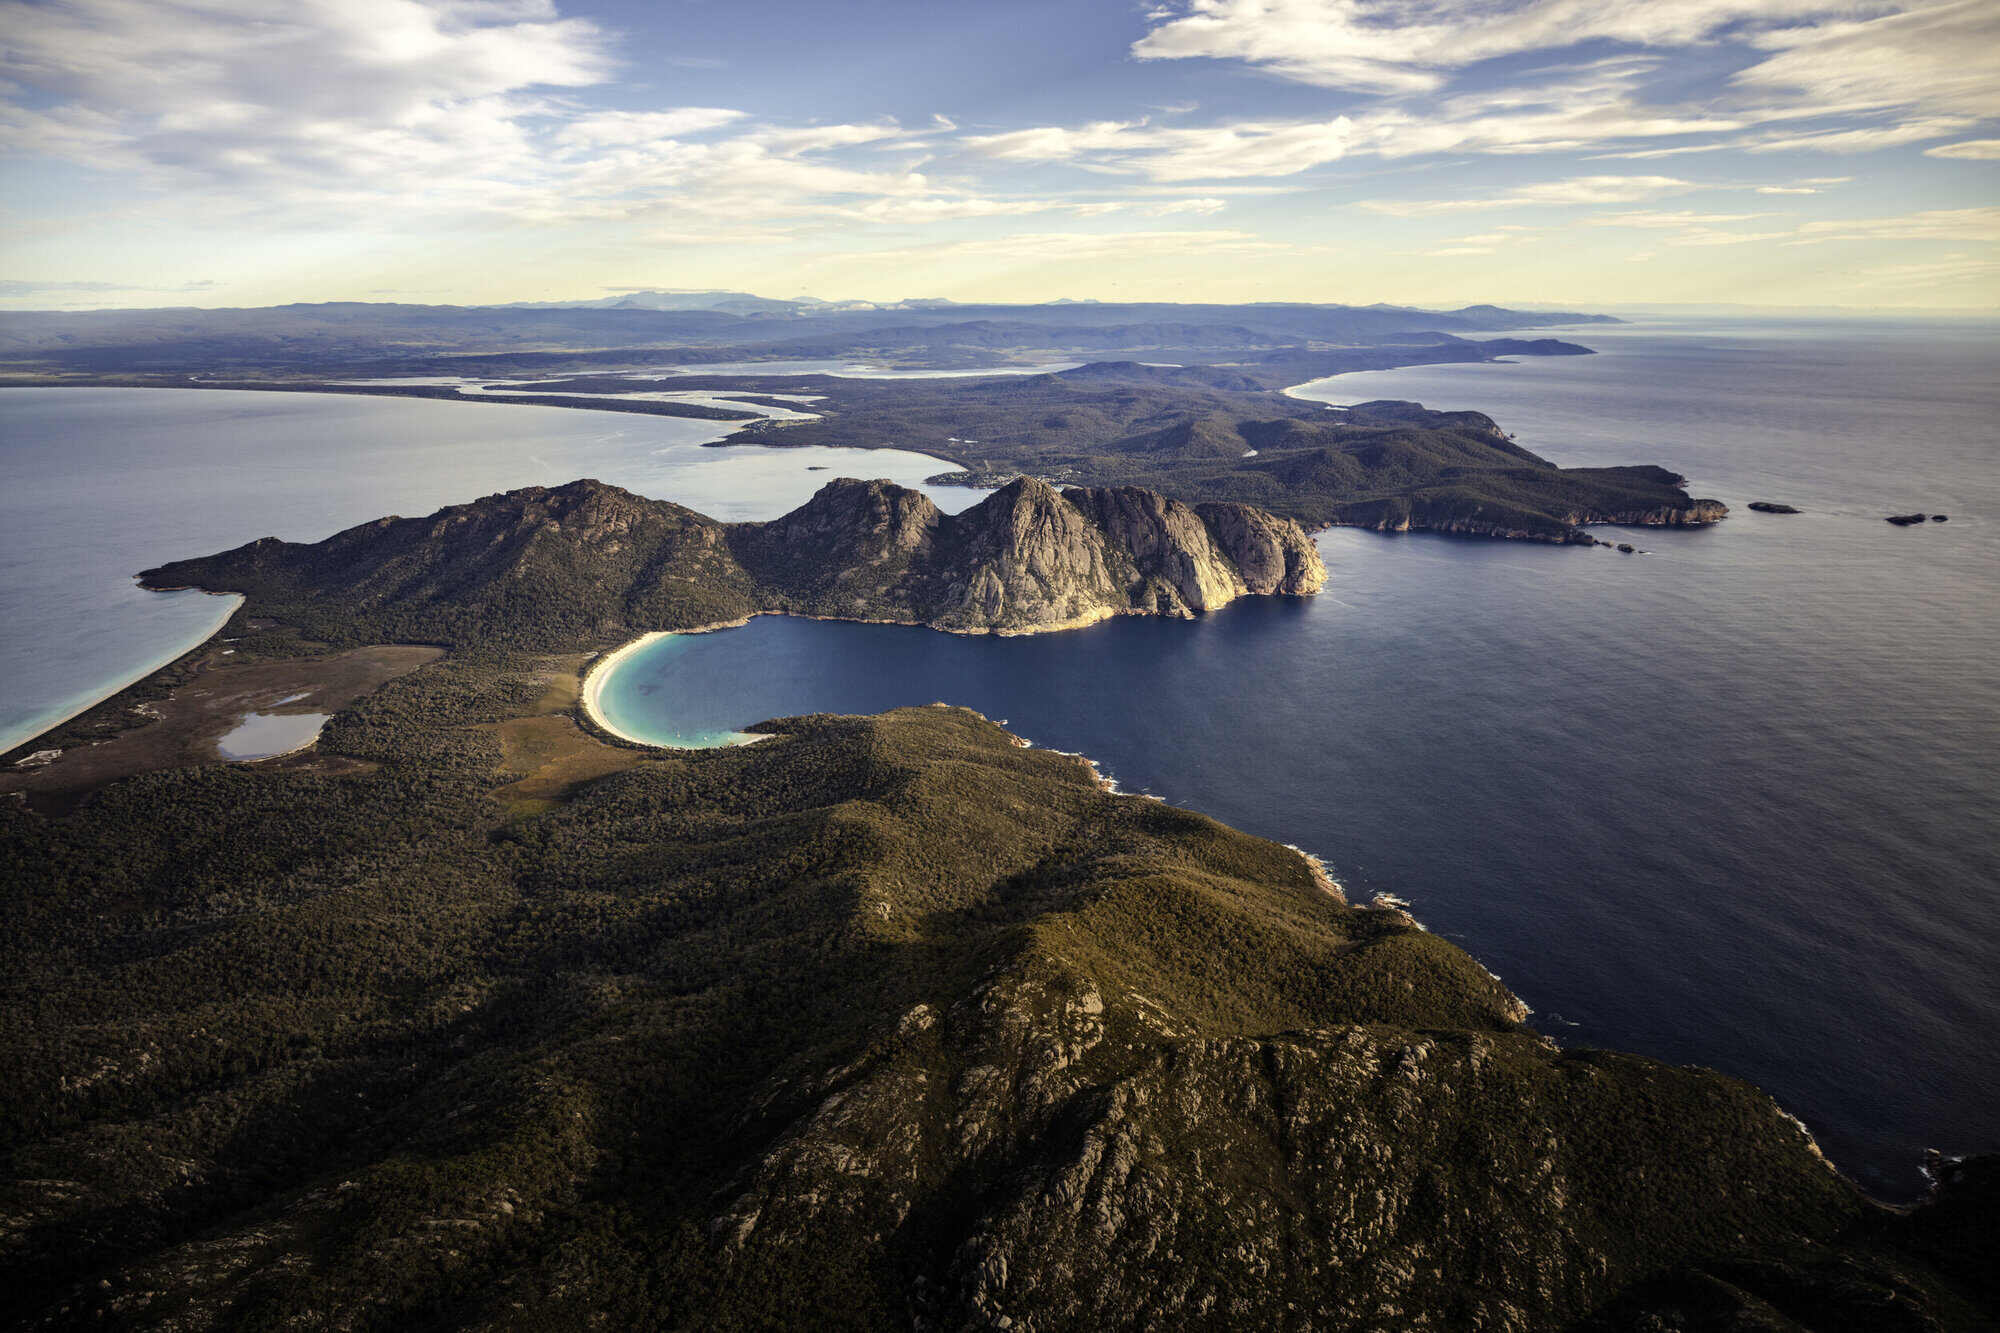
(591, 559)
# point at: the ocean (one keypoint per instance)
(1732, 802)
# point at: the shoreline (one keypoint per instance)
(44, 729)
(593, 682)
(600, 667)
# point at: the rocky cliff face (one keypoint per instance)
(1024, 558)
(586, 559)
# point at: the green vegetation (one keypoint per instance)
(881, 1020)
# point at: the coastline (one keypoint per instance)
(604, 664)
(593, 682)
(42, 729)
(599, 670)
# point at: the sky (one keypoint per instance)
(1582, 153)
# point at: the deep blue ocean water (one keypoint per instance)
(1733, 802)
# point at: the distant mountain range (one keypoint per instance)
(351, 336)
(729, 303)
(1485, 317)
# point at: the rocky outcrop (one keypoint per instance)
(1025, 558)
(549, 565)
(1273, 554)
(1171, 547)
(1693, 514)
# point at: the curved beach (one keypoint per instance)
(591, 690)
(593, 682)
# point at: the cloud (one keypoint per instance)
(1050, 143)
(1409, 46)
(1971, 150)
(1952, 270)
(334, 112)
(1588, 106)
(229, 89)
(1711, 236)
(1939, 224)
(1940, 58)
(14, 288)
(1050, 247)
(1574, 191)
(1664, 220)
(1886, 73)
(606, 129)
(1864, 140)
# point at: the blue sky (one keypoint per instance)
(1777, 152)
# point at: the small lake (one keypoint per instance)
(266, 735)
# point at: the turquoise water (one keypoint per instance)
(629, 698)
(98, 484)
(1734, 802)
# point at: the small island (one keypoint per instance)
(1771, 507)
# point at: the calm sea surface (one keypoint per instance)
(1734, 802)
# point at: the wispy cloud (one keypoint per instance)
(1406, 47)
(1657, 219)
(1971, 150)
(1936, 224)
(1577, 190)
(14, 288)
